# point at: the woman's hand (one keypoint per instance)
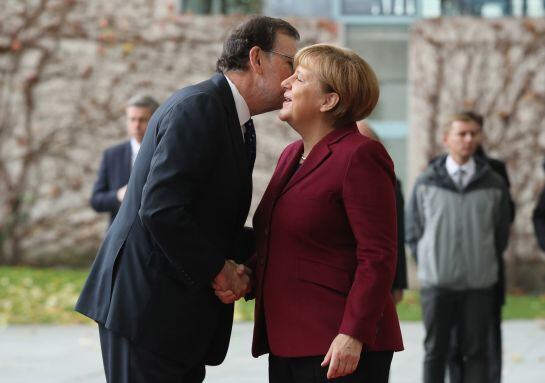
(343, 356)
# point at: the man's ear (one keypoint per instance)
(255, 56)
(330, 101)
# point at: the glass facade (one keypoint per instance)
(211, 7)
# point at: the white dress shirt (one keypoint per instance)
(135, 147)
(243, 111)
(453, 170)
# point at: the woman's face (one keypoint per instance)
(303, 97)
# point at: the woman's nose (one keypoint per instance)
(287, 82)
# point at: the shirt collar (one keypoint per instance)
(243, 111)
(135, 147)
(452, 166)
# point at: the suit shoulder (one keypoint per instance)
(194, 95)
(117, 149)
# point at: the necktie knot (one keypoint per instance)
(460, 178)
(250, 143)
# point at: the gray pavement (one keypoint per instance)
(56, 354)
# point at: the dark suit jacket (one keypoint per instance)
(113, 174)
(400, 279)
(187, 200)
(326, 249)
(538, 217)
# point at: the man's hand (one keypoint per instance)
(343, 356)
(232, 282)
(121, 193)
(397, 295)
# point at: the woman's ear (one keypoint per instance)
(330, 101)
(255, 59)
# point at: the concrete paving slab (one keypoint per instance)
(67, 354)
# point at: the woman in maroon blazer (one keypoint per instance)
(326, 232)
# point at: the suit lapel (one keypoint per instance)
(233, 123)
(235, 133)
(127, 162)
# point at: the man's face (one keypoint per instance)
(462, 140)
(137, 122)
(277, 66)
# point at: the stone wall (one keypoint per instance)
(67, 68)
(496, 67)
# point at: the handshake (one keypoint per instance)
(232, 282)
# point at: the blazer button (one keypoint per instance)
(266, 231)
(262, 262)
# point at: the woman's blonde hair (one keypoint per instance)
(344, 72)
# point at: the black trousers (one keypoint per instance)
(374, 367)
(493, 352)
(468, 312)
(126, 362)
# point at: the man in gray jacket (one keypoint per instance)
(457, 225)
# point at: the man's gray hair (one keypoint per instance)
(143, 101)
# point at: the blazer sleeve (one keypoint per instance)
(187, 147)
(369, 200)
(103, 198)
(400, 280)
(538, 217)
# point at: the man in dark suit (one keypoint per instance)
(117, 161)
(494, 344)
(187, 200)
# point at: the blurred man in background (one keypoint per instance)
(457, 225)
(113, 175)
(494, 346)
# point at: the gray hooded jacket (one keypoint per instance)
(458, 235)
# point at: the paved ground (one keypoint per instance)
(51, 354)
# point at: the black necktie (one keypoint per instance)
(249, 142)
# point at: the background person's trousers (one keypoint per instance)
(493, 352)
(469, 311)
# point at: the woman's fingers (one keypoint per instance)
(343, 356)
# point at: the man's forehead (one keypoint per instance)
(133, 109)
(465, 126)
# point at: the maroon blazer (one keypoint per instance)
(326, 249)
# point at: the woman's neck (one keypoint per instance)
(314, 134)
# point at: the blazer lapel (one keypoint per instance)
(318, 155)
(280, 178)
(284, 172)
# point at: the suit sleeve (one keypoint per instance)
(538, 217)
(369, 200)
(187, 147)
(500, 168)
(414, 222)
(400, 280)
(103, 198)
